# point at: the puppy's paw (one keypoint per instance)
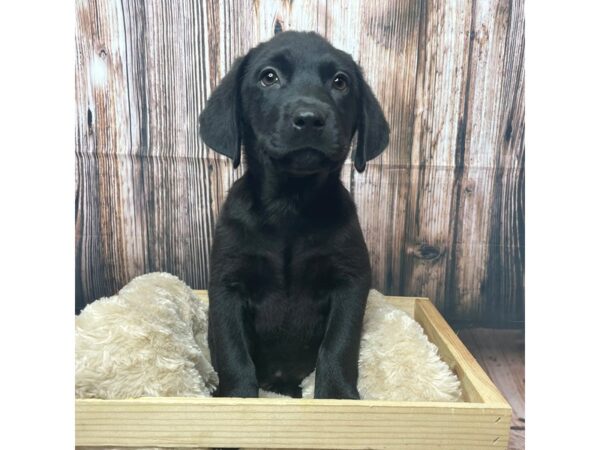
(238, 390)
(337, 391)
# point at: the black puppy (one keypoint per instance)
(290, 271)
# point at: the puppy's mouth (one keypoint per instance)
(303, 161)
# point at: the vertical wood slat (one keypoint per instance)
(442, 209)
(443, 49)
(488, 241)
(389, 55)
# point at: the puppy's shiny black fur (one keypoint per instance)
(290, 270)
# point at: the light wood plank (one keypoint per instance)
(293, 423)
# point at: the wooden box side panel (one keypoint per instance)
(281, 423)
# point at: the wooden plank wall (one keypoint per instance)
(442, 209)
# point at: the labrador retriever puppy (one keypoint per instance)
(290, 271)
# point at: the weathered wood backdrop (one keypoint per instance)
(442, 209)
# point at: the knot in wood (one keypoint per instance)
(427, 252)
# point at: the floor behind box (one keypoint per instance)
(501, 353)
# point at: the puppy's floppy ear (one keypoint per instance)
(373, 129)
(221, 119)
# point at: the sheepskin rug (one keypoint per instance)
(150, 340)
(397, 361)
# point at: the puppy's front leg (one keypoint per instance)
(337, 362)
(230, 345)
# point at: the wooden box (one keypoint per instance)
(482, 421)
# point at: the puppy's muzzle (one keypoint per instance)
(308, 138)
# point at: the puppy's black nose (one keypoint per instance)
(307, 119)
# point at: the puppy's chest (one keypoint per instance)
(287, 284)
(292, 269)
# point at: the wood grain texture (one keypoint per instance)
(442, 209)
(293, 423)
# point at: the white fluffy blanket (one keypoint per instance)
(150, 340)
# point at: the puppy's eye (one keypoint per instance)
(340, 82)
(268, 77)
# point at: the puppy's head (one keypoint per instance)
(296, 102)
